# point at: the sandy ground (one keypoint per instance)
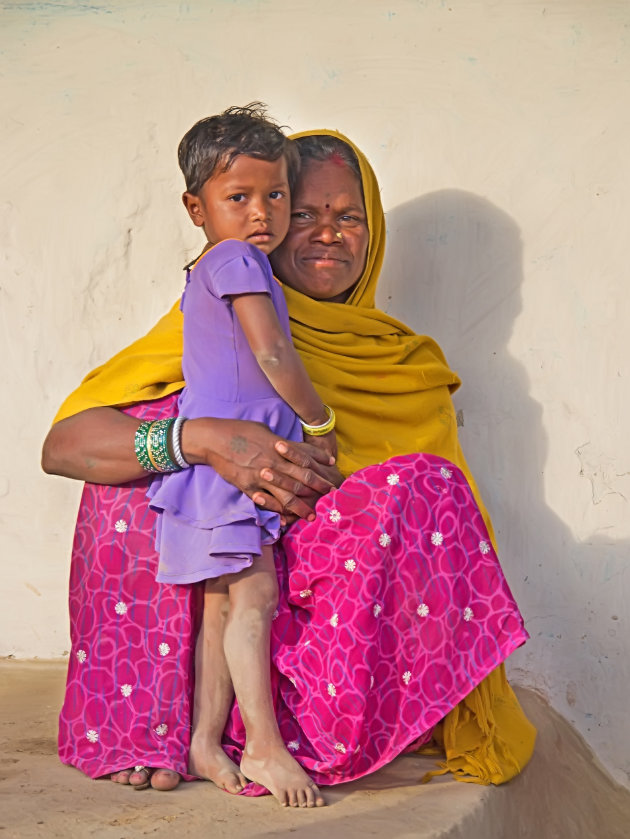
(562, 794)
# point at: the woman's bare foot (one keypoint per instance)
(143, 777)
(121, 777)
(211, 762)
(283, 777)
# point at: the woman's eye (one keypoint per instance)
(350, 219)
(300, 216)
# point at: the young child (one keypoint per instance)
(239, 363)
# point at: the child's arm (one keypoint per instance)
(280, 362)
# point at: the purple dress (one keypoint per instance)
(207, 527)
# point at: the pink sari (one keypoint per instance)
(392, 608)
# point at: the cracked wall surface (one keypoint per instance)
(496, 132)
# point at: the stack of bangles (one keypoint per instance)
(324, 428)
(158, 445)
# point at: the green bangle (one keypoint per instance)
(157, 446)
(140, 446)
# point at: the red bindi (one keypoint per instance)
(336, 158)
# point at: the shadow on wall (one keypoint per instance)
(454, 270)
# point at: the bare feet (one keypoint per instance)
(283, 777)
(211, 762)
(121, 777)
(142, 777)
(165, 779)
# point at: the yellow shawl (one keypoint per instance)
(391, 391)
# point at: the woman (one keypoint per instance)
(128, 697)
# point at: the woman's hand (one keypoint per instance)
(279, 475)
(297, 453)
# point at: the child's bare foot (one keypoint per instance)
(283, 777)
(165, 779)
(209, 761)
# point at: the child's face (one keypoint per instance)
(250, 201)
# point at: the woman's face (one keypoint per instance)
(324, 252)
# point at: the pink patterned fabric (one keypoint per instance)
(392, 608)
(130, 674)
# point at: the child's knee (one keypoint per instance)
(259, 599)
(265, 594)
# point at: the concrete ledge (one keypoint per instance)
(562, 794)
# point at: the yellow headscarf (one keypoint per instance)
(391, 391)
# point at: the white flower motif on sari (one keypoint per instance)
(406, 677)
(293, 745)
(339, 747)
(126, 690)
(334, 621)
(332, 690)
(120, 526)
(468, 614)
(377, 609)
(446, 473)
(81, 656)
(484, 547)
(334, 516)
(161, 729)
(384, 540)
(422, 610)
(349, 565)
(92, 735)
(393, 479)
(120, 608)
(437, 538)
(306, 592)
(164, 648)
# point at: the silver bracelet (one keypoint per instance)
(176, 443)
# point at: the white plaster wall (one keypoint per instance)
(499, 133)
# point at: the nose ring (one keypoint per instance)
(339, 235)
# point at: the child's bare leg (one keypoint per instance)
(213, 695)
(253, 598)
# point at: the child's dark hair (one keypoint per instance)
(216, 141)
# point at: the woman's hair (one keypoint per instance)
(217, 141)
(322, 147)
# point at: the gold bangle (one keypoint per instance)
(324, 428)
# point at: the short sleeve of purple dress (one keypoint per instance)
(207, 527)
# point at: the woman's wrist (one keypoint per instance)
(198, 439)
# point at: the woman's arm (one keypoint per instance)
(97, 445)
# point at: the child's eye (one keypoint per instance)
(276, 194)
(239, 196)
